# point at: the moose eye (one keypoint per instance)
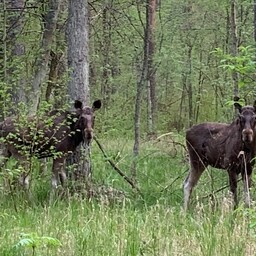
(242, 118)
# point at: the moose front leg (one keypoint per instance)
(58, 172)
(233, 185)
(247, 181)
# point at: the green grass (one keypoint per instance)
(154, 224)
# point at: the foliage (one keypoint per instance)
(33, 241)
(123, 223)
(243, 63)
(192, 43)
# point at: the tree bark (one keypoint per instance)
(78, 51)
(41, 65)
(78, 86)
(105, 56)
(151, 5)
(139, 91)
(254, 20)
(16, 49)
(234, 43)
(53, 74)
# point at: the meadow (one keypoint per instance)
(118, 221)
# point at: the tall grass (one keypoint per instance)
(154, 224)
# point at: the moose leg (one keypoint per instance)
(233, 185)
(58, 172)
(5, 154)
(24, 180)
(190, 182)
(247, 181)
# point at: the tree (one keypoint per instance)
(139, 92)
(16, 18)
(234, 42)
(41, 64)
(254, 20)
(151, 6)
(78, 64)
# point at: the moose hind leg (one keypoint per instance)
(247, 181)
(190, 182)
(233, 185)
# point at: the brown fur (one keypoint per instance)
(58, 135)
(222, 146)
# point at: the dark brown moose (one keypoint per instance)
(225, 146)
(56, 136)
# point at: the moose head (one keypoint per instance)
(247, 121)
(85, 120)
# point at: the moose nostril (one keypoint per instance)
(88, 130)
(247, 132)
(88, 133)
(247, 135)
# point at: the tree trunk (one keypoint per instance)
(78, 51)
(78, 64)
(140, 86)
(151, 5)
(189, 86)
(254, 20)
(105, 56)
(41, 65)
(16, 49)
(234, 43)
(53, 74)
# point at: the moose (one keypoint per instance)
(224, 146)
(57, 136)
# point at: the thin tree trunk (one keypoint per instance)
(105, 55)
(53, 74)
(3, 63)
(41, 65)
(189, 86)
(4, 43)
(139, 91)
(254, 20)
(234, 43)
(151, 5)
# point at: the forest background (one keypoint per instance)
(159, 67)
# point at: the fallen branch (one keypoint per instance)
(116, 168)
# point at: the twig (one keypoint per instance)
(218, 190)
(177, 178)
(116, 168)
(173, 141)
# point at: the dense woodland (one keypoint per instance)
(158, 67)
(187, 58)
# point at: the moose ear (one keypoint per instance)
(236, 98)
(238, 106)
(96, 105)
(78, 104)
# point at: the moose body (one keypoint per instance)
(56, 136)
(225, 146)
